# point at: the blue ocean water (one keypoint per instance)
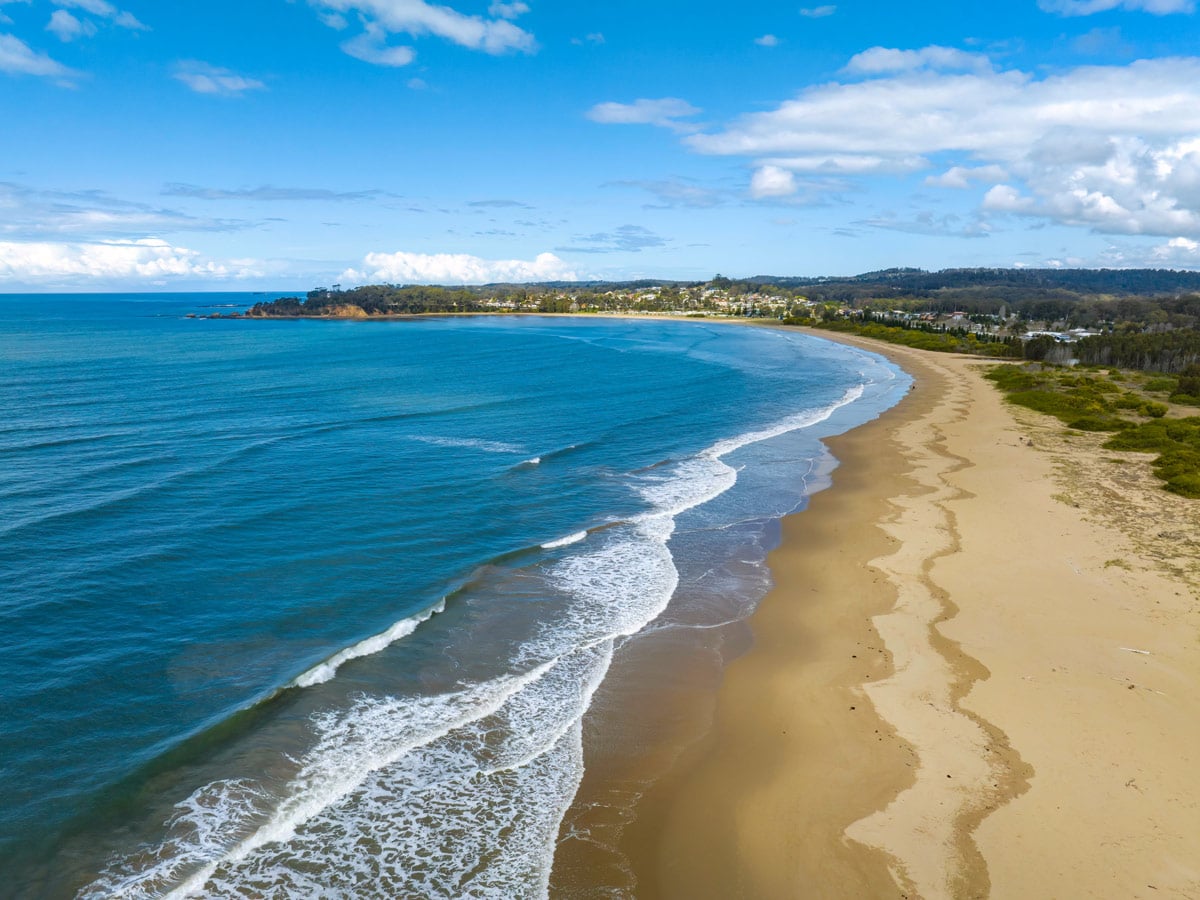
(318, 607)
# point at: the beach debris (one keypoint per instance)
(1135, 650)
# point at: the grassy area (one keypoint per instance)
(1088, 399)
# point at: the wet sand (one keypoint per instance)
(978, 674)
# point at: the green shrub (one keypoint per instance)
(1177, 462)
(1185, 486)
(1148, 438)
(1185, 431)
(1063, 406)
(1097, 423)
(1162, 386)
(1013, 378)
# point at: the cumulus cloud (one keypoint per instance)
(18, 58)
(818, 12)
(204, 78)
(1111, 148)
(416, 18)
(882, 60)
(665, 113)
(767, 40)
(148, 259)
(456, 268)
(772, 181)
(1089, 7)
(1177, 251)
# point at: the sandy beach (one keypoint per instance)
(978, 675)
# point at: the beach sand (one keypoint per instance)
(978, 674)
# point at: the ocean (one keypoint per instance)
(346, 608)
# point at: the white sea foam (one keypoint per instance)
(352, 744)
(325, 671)
(198, 833)
(493, 789)
(470, 443)
(436, 783)
(566, 541)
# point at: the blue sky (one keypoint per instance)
(283, 144)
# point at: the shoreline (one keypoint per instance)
(961, 685)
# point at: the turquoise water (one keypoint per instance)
(308, 608)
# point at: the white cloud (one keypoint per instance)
(5, 19)
(772, 181)
(417, 18)
(677, 192)
(66, 27)
(508, 10)
(961, 177)
(664, 113)
(1006, 198)
(1177, 251)
(625, 239)
(370, 47)
(104, 10)
(882, 60)
(95, 7)
(1112, 148)
(336, 21)
(27, 213)
(148, 259)
(456, 268)
(767, 40)
(928, 222)
(208, 79)
(17, 58)
(1089, 7)
(818, 12)
(848, 164)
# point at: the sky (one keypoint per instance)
(289, 144)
